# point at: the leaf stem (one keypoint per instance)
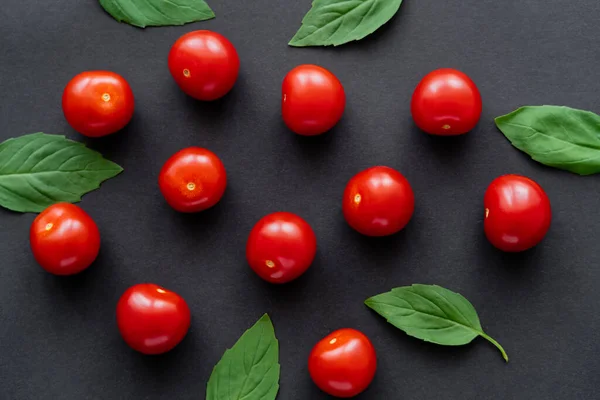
(492, 341)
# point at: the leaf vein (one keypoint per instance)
(430, 315)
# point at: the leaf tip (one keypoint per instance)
(265, 319)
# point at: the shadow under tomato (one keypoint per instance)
(317, 147)
(79, 289)
(289, 293)
(212, 113)
(207, 218)
(515, 266)
(385, 248)
(116, 145)
(167, 367)
(446, 149)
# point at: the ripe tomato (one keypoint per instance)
(64, 239)
(378, 202)
(193, 180)
(98, 103)
(313, 100)
(281, 247)
(204, 64)
(517, 213)
(446, 102)
(151, 319)
(343, 364)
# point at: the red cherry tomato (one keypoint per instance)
(446, 102)
(378, 202)
(151, 319)
(98, 103)
(193, 180)
(64, 239)
(281, 247)
(313, 100)
(517, 213)
(204, 64)
(343, 364)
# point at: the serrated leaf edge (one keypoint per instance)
(117, 170)
(264, 319)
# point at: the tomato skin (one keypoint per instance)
(98, 103)
(204, 64)
(446, 102)
(378, 201)
(343, 364)
(281, 247)
(517, 213)
(313, 100)
(64, 239)
(151, 319)
(192, 180)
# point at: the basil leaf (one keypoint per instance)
(39, 170)
(143, 13)
(559, 137)
(335, 22)
(431, 313)
(250, 369)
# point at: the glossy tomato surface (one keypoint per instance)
(378, 201)
(64, 239)
(281, 247)
(204, 64)
(152, 319)
(343, 364)
(313, 100)
(446, 102)
(517, 213)
(193, 180)
(98, 103)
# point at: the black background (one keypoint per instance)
(58, 337)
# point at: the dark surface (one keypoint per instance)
(58, 337)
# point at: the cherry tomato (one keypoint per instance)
(517, 213)
(446, 102)
(64, 239)
(193, 180)
(378, 202)
(204, 64)
(343, 364)
(313, 100)
(98, 103)
(281, 247)
(151, 319)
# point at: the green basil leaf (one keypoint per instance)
(250, 369)
(39, 170)
(431, 313)
(559, 137)
(335, 22)
(143, 13)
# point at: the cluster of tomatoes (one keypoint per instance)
(378, 201)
